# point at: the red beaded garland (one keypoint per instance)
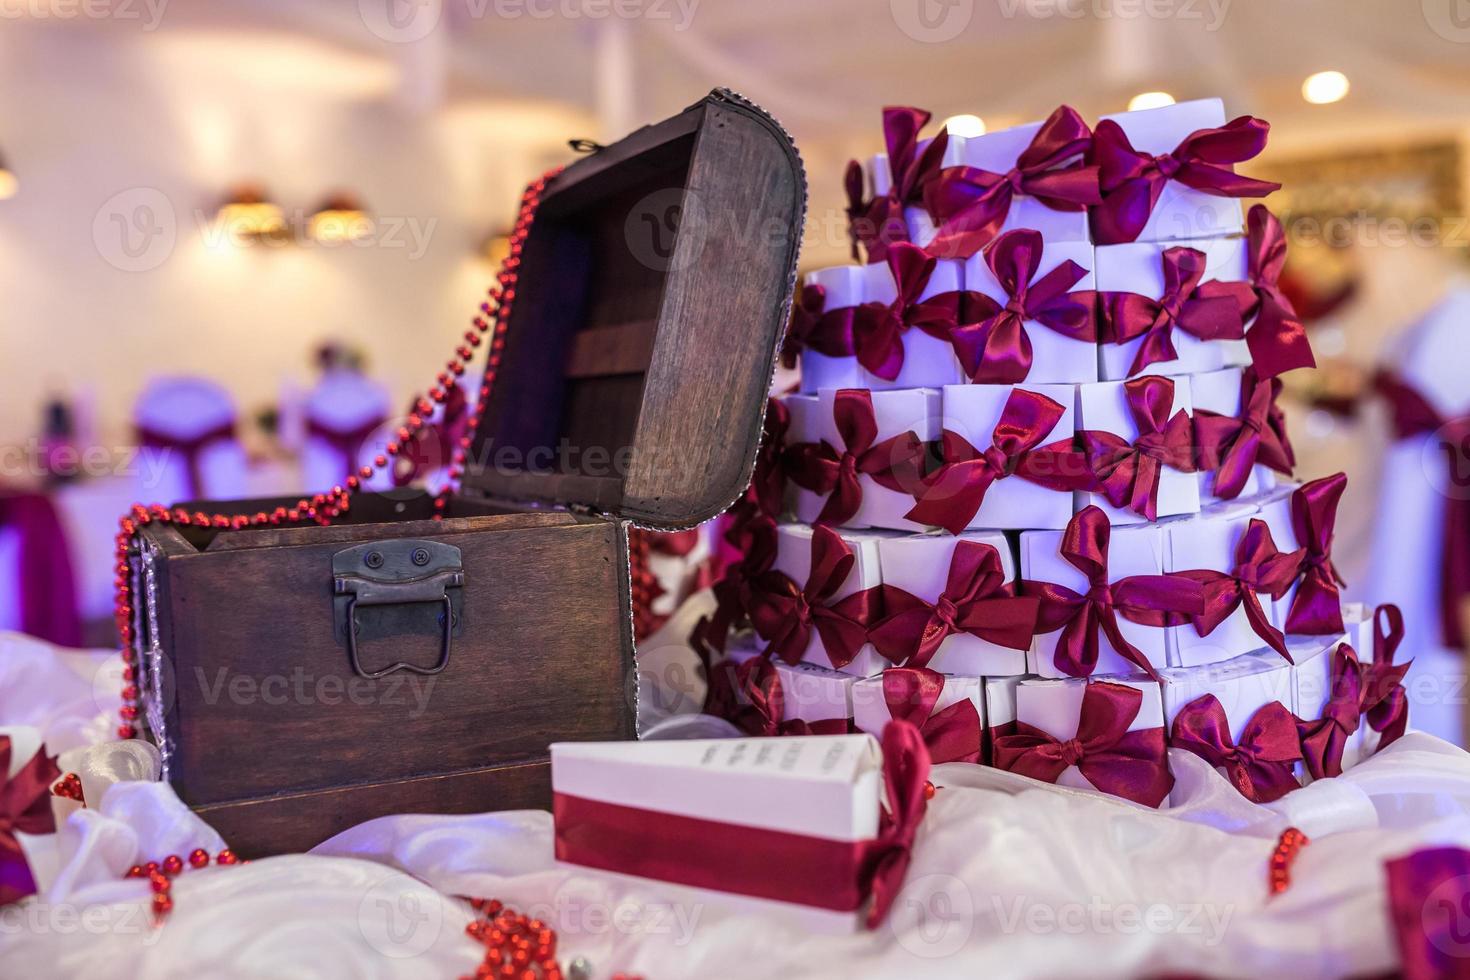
(1288, 846)
(160, 876)
(321, 508)
(69, 787)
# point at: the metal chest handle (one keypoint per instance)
(378, 577)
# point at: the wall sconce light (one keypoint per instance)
(496, 247)
(248, 215)
(340, 218)
(8, 184)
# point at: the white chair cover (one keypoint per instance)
(186, 409)
(344, 402)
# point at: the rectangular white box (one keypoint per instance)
(794, 558)
(1133, 550)
(871, 711)
(844, 287)
(1181, 212)
(1312, 679)
(1056, 358)
(1000, 708)
(1219, 392)
(928, 362)
(896, 412)
(1138, 267)
(1104, 407)
(998, 152)
(1243, 686)
(1209, 541)
(826, 787)
(811, 693)
(972, 411)
(920, 565)
(1055, 707)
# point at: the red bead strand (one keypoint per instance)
(1288, 847)
(323, 508)
(160, 875)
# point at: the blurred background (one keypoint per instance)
(251, 231)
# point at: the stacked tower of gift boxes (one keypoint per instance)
(1034, 492)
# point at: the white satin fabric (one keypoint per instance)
(1010, 877)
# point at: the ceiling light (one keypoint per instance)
(1150, 100)
(339, 219)
(965, 125)
(248, 216)
(1325, 87)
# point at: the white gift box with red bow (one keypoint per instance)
(794, 558)
(1181, 212)
(1132, 550)
(895, 412)
(999, 152)
(1104, 407)
(1000, 708)
(1055, 707)
(972, 412)
(1138, 267)
(1312, 675)
(870, 710)
(1219, 392)
(1243, 685)
(919, 565)
(1209, 541)
(813, 693)
(1055, 357)
(844, 287)
(916, 219)
(928, 362)
(1275, 510)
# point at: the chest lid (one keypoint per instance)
(655, 282)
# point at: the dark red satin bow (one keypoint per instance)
(894, 464)
(1150, 600)
(25, 807)
(1413, 415)
(756, 540)
(814, 327)
(1128, 764)
(1230, 447)
(878, 328)
(1131, 181)
(952, 494)
(784, 613)
(1277, 340)
(905, 781)
(1208, 310)
(970, 205)
(1128, 473)
(879, 224)
(1385, 702)
(1317, 607)
(1324, 738)
(1259, 567)
(992, 344)
(768, 479)
(976, 600)
(950, 735)
(760, 683)
(1261, 764)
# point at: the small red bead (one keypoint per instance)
(162, 904)
(173, 864)
(226, 856)
(125, 731)
(198, 857)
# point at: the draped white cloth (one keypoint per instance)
(1010, 877)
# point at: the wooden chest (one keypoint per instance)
(299, 680)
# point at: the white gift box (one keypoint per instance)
(972, 411)
(1104, 407)
(1138, 267)
(1000, 709)
(844, 287)
(870, 710)
(919, 564)
(823, 787)
(1243, 686)
(1312, 683)
(1209, 541)
(811, 693)
(928, 362)
(794, 558)
(998, 153)
(1055, 357)
(1219, 392)
(896, 412)
(920, 226)
(1132, 550)
(1055, 707)
(1275, 510)
(1181, 212)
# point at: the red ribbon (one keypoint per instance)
(894, 464)
(878, 328)
(1277, 340)
(762, 863)
(1209, 310)
(1128, 764)
(1261, 764)
(1128, 474)
(1317, 606)
(1259, 567)
(768, 479)
(952, 494)
(971, 204)
(756, 541)
(1131, 181)
(814, 327)
(1231, 447)
(1413, 415)
(1150, 600)
(879, 224)
(1324, 738)
(192, 449)
(785, 613)
(976, 600)
(760, 683)
(950, 735)
(25, 807)
(992, 344)
(1385, 702)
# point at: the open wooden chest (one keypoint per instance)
(299, 680)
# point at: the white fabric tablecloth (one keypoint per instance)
(1010, 878)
